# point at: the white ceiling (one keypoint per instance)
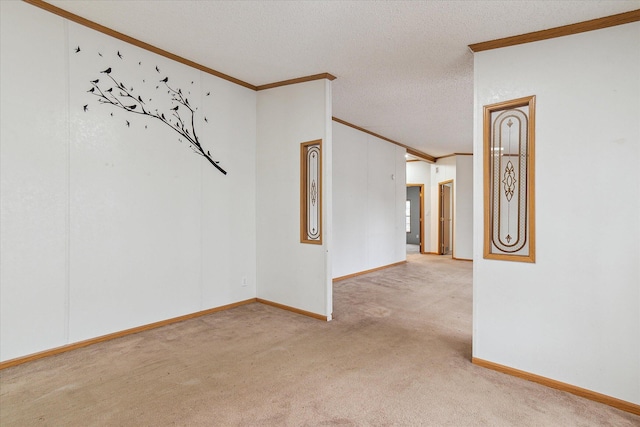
(403, 67)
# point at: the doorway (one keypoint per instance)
(414, 217)
(445, 226)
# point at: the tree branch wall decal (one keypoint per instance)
(180, 117)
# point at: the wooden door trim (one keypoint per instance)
(440, 250)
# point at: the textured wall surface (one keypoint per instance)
(573, 315)
(109, 219)
(369, 202)
(289, 272)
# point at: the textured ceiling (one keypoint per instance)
(403, 68)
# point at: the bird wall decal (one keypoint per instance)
(131, 101)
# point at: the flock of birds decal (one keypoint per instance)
(181, 117)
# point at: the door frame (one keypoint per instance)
(421, 214)
(441, 185)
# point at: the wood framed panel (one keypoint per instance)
(311, 192)
(509, 205)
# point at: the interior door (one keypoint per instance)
(445, 231)
(446, 214)
(413, 232)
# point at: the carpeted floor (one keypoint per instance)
(397, 354)
(413, 249)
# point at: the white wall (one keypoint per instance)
(463, 205)
(574, 315)
(369, 194)
(34, 184)
(107, 226)
(289, 272)
(420, 173)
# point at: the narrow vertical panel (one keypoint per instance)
(313, 196)
(311, 192)
(33, 180)
(508, 177)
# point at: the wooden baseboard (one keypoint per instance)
(430, 253)
(360, 273)
(85, 343)
(582, 392)
(462, 259)
(293, 309)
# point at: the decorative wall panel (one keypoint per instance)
(127, 87)
(311, 192)
(509, 180)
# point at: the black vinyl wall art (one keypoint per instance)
(167, 104)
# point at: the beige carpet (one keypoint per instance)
(397, 354)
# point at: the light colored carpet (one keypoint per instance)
(397, 354)
(413, 249)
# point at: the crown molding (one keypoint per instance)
(424, 156)
(139, 43)
(320, 76)
(151, 48)
(565, 30)
(453, 155)
(113, 33)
